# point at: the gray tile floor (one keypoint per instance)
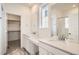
(14, 48)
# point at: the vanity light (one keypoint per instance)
(34, 8)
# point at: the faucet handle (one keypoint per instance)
(69, 33)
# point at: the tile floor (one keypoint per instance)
(14, 48)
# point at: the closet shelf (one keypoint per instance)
(13, 30)
(14, 20)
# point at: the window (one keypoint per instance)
(43, 23)
(46, 13)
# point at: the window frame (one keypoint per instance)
(41, 16)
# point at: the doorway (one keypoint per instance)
(13, 32)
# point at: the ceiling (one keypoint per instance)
(58, 6)
(64, 6)
(23, 4)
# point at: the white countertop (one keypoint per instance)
(35, 40)
(64, 45)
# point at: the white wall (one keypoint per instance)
(34, 20)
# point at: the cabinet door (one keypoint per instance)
(50, 53)
(42, 51)
(33, 48)
(26, 43)
(53, 50)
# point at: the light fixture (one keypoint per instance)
(73, 5)
(35, 8)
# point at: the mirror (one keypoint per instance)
(64, 20)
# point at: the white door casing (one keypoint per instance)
(3, 30)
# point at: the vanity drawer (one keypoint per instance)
(42, 51)
(53, 50)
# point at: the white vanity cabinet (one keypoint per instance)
(29, 45)
(45, 49)
(26, 43)
(42, 51)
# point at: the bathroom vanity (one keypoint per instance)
(50, 46)
(57, 47)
